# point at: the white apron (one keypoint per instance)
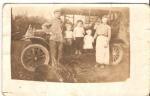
(102, 53)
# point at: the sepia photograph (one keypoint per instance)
(70, 44)
(75, 49)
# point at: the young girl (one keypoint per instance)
(78, 35)
(103, 34)
(68, 38)
(88, 41)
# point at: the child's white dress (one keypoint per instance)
(88, 40)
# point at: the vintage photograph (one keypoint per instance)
(72, 44)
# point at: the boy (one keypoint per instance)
(68, 39)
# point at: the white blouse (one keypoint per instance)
(78, 32)
(68, 34)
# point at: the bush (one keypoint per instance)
(20, 24)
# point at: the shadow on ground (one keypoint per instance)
(81, 66)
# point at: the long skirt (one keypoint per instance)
(102, 52)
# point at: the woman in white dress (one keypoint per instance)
(102, 35)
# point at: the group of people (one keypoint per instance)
(83, 38)
(79, 38)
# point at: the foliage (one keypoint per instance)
(20, 24)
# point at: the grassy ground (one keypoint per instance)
(83, 67)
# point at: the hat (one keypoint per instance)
(57, 10)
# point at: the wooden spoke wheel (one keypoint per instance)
(116, 54)
(34, 55)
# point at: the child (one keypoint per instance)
(68, 38)
(88, 41)
(78, 34)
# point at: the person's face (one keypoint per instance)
(57, 14)
(80, 24)
(104, 20)
(99, 20)
(89, 32)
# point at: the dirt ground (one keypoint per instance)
(82, 65)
